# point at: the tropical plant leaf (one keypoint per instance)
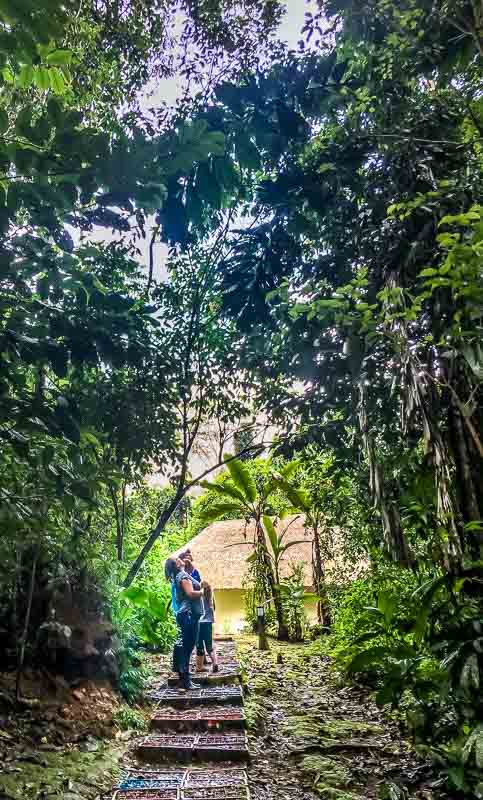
(291, 468)
(225, 489)
(271, 532)
(241, 477)
(367, 658)
(287, 546)
(59, 57)
(218, 511)
(387, 603)
(298, 497)
(366, 637)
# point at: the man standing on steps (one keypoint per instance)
(187, 557)
(190, 609)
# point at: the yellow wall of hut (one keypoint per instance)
(230, 611)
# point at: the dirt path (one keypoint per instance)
(310, 738)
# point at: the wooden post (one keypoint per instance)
(262, 631)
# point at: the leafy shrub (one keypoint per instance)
(134, 673)
(348, 607)
(130, 719)
(251, 601)
(293, 596)
(153, 621)
(424, 653)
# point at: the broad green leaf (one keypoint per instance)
(371, 657)
(218, 511)
(291, 468)
(241, 477)
(8, 75)
(298, 497)
(425, 593)
(26, 76)
(271, 533)
(59, 57)
(135, 594)
(224, 489)
(387, 603)
(428, 272)
(57, 81)
(292, 544)
(366, 637)
(42, 78)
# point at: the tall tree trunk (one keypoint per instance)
(123, 521)
(394, 537)
(153, 537)
(466, 485)
(23, 641)
(120, 515)
(323, 612)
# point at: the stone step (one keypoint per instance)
(194, 784)
(210, 718)
(230, 793)
(180, 698)
(228, 675)
(184, 747)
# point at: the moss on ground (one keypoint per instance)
(66, 775)
(328, 777)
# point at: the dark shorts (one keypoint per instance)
(205, 638)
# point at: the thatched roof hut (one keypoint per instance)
(220, 551)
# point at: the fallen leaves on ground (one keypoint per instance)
(311, 737)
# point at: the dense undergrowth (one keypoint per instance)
(416, 643)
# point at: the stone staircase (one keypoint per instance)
(199, 728)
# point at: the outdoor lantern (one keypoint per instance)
(260, 612)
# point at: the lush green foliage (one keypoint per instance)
(419, 642)
(347, 304)
(293, 597)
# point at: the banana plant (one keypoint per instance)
(239, 495)
(277, 544)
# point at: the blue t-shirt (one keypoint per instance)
(196, 575)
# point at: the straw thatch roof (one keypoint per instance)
(224, 566)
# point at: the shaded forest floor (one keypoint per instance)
(309, 737)
(61, 743)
